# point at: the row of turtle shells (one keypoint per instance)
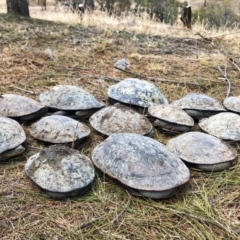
(75, 102)
(135, 145)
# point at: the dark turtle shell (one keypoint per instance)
(67, 97)
(136, 92)
(61, 171)
(203, 151)
(199, 105)
(142, 164)
(171, 118)
(119, 118)
(222, 125)
(59, 129)
(20, 107)
(232, 104)
(12, 136)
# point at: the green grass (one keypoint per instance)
(208, 207)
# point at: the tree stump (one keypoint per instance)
(186, 16)
(18, 7)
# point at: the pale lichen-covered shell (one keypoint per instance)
(232, 104)
(12, 105)
(60, 170)
(140, 162)
(119, 118)
(136, 92)
(58, 129)
(222, 125)
(67, 97)
(201, 149)
(171, 114)
(199, 105)
(11, 134)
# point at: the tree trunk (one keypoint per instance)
(18, 7)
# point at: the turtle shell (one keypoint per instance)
(12, 136)
(203, 151)
(199, 105)
(61, 171)
(223, 125)
(119, 118)
(142, 164)
(136, 92)
(171, 118)
(20, 107)
(232, 104)
(58, 129)
(67, 97)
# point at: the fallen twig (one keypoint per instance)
(233, 62)
(209, 40)
(110, 79)
(121, 213)
(173, 82)
(131, 73)
(225, 76)
(21, 89)
(89, 223)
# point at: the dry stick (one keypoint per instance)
(106, 78)
(173, 82)
(206, 39)
(131, 73)
(89, 223)
(121, 213)
(232, 61)
(21, 89)
(225, 76)
(156, 79)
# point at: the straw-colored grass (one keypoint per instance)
(38, 54)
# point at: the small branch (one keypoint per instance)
(131, 73)
(89, 223)
(233, 62)
(224, 73)
(21, 89)
(105, 78)
(121, 213)
(173, 82)
(209, 40)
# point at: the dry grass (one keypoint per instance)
(178, 62)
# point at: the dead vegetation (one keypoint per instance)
(38, 54)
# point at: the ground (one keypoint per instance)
(38, 54)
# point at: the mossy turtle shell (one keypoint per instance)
(23, 108)
(141, 163)
(222, 125)
(12, 135)
(137, 92)
(171, 118)
(58, 129)
(199, 105)
(67, 97)
(232, 104)
(204, 151)
(61, 171)
(119, 118)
